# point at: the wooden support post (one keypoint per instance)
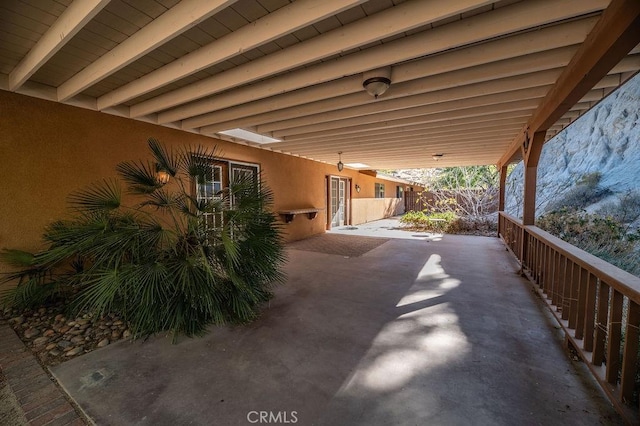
(531, 150)
(503, 185)
(614, 337)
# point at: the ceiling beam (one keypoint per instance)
(426, 88)
(392, 21)
(443, 107)
(458, 90)
(615, 34)
(479, 114)
(509, 19)
(72, 20)
(171, 23)
(303, 146)
(281, 22)
(566, 35)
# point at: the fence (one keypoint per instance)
(596, 303)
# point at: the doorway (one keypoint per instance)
(338, 201)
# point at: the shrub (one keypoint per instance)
(586, 192)
(603, 237)
(426, 222)
(160, 263)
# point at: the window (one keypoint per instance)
(399, 191)
(379, 190)
(210, 191)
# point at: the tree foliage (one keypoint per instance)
(158, 261)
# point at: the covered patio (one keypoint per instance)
(442, 330)
(417, 330)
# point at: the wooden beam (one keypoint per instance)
(72, 20)
(395, 20)
(507, 20)
(615, 34)
(612, 38)
(532, 150)
(454, 107)
(281, 22)
(531, 50)
(173, 22)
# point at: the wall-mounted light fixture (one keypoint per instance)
(437, 156)
(340, 164)
(162, 176)
(357, 188)
(376, 82)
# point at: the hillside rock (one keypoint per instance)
(606, 140)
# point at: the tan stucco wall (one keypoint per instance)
(369, 209)
(49, 149)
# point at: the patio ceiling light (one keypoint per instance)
(162, 176)
(340, 164)
(437, 156)
(377, 82)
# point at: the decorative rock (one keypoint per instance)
(64, 329)
(71, 323)
(42, 310)
(83, 321)
(55, 352)
(84, 326)
(74, 351)
(77, 339)
(118, 322)
(17, 320)
(64, 344)
(51, 346)
(102, 343)
(88, 331)
(75, 331)
(31, 332)
(115, 335)
(40, 341)
(49, 333)
(103, 327)
(59, 317)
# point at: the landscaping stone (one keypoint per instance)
(74, 351)
(54, 337)
(31, 332)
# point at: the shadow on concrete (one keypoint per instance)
(438, 331)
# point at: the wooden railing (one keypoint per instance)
(596, 303)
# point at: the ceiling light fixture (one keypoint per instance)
(340, 164)
(437, 156)
(377, 82)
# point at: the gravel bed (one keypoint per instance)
(55, 338)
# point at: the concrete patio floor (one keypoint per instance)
(420, 330)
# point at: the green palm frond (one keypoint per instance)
(166, 160)
(140, 176)
(101, 196)
(170, 262)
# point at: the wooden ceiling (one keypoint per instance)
(466, 75)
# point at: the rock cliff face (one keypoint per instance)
(604, 140)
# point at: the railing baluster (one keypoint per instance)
(615, 335)
(590, 311)
(574, 287)
(566, 287)
(592, 296)
(582, 300)
(601, 324)
(557, 280)
(630, 356)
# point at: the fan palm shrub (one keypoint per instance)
(167, 260)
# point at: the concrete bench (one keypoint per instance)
(289, 215)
